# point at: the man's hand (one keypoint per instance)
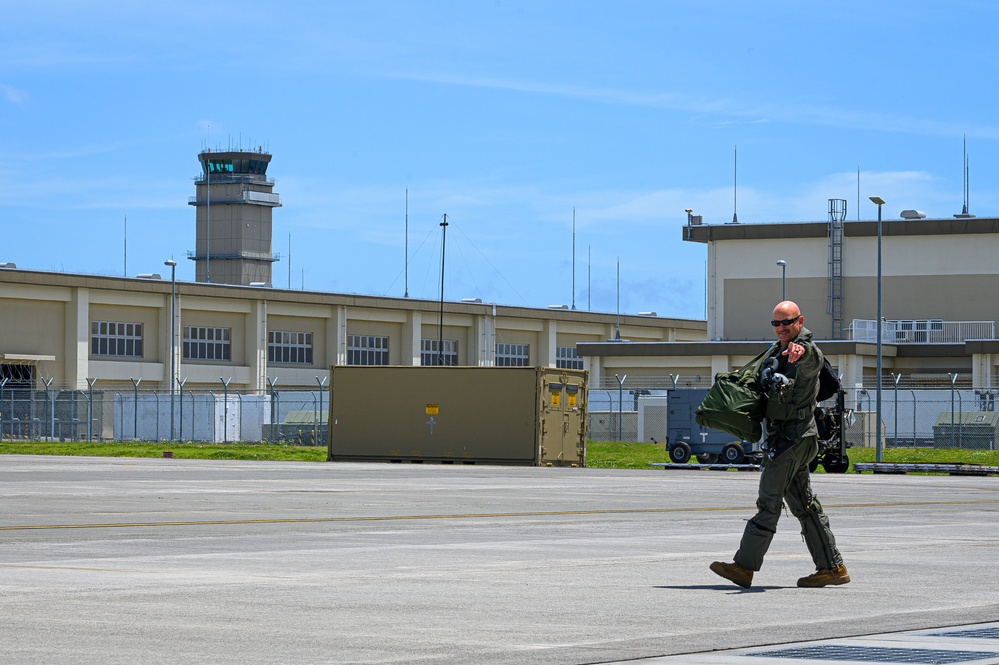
(794, 351)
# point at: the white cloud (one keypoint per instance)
(15, 95)
(785, 111)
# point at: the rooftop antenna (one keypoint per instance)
(208, 213)
(440, 340)
(125, 266)
(574, 257)
(858, 192)
(589, 274)
(964, 211)
(406, 265)
(617, 331)
(735, 189)
(289, 260)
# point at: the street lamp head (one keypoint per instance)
(688, 210)
(170, 262)
(877, 200)
(781, 262)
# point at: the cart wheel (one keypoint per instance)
(707, 458)
(840, 465)
(733, 454)
(680, 453)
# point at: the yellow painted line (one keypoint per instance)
(456, 516)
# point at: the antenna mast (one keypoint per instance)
(589, 274)
(406, 268)
(574, 258)
(617, 332)
(440, 339)
(964, 211)
(735, 188)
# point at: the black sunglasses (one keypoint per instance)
(786, 322)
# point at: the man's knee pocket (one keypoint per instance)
(813, 507)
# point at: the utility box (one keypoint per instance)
(531, 416)
(977, 430)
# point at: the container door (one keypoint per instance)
(574, 419)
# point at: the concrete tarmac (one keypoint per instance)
(109, 560)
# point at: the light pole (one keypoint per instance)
(878, 201)
(783, 279)
(173, 335)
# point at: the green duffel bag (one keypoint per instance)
(735, 404)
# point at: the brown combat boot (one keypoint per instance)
(733, 572)
(824, 576)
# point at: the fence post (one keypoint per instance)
(3, 383)
(895, 432)
(315, 434)
(620, 404)
(48, 398)
(953, 380)
(225, 407)
(180, 436)
(274, 416)
(135, 408)
(314, 418)
(960, 423)
(90, 408)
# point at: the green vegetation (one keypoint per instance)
(625, 455)
(599, 454)
(926, 456)
(229, 451)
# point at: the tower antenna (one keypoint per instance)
(735, 188)
(964, 211)
(406, 265)
(589, 274)
(858, 192)
(574, 257)
(440, 340)
(617, 330)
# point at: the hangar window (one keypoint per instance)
(367, 350)
(513, 355)
(115, 338)
(567, 358)
(429, 355)
(293, 348)
(204, 343)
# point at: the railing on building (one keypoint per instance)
(921, 331)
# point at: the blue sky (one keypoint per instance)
(505, 115)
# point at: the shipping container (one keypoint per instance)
(533, 416)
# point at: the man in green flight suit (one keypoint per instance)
(790, 376)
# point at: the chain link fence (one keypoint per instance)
(222, 416)
(911, 416)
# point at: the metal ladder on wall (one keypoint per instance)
(834, 307)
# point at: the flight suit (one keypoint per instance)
(793, 436)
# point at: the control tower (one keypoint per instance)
(234, 204)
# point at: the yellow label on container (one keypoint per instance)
(572, 400)
(556, 398)
(433, 409)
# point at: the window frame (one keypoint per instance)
(116, 339)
